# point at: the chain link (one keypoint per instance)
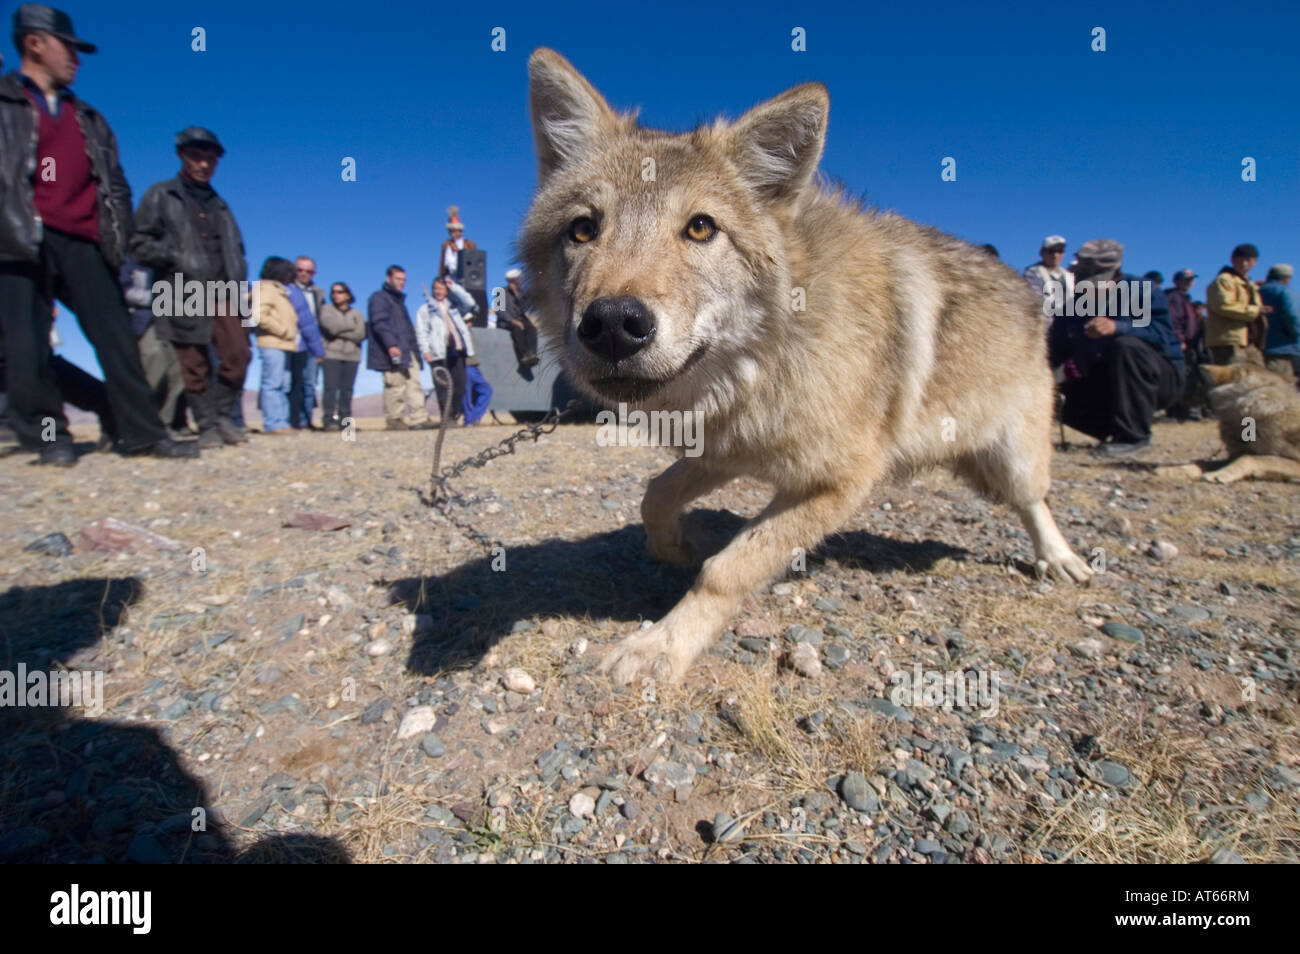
(441, 496)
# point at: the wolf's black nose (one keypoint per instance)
(616, 328)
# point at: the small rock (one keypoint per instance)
(516, 680)
(1162, 551)
(432, 746)
(804, 661)
(1087, 649)
(379, 647)
(672, 774)
(1123, 632)
(858, 793)
(417, 721)
(52, 544)
(835, 656)
(582, 805)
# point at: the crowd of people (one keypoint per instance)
(71, 235)
(1121, 358)
(74, 237)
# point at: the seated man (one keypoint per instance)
(523, 333)
(1120, 367)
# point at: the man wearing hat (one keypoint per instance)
(65, 217)
(1048, 269)
(1186, 322)
(1232, 306)
(523, 333)
(1182, 310)
(1283, 342)
(1121, 370)
(182, 227)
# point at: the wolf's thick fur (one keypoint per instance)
(913, 348)
(1243, 392)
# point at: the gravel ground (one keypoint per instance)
(390, 691)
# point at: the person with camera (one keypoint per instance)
(393, 350)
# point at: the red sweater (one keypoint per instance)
(65, 189)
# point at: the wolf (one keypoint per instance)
(823, 347)
(1259, 422)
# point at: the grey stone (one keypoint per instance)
(835, 656)
(1121, 631)
(375, 711)
(1189, 612)
(858, 793)
(432, 746)
(1114, 774)
(52, 544)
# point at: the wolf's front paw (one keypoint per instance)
(652, 651)
(1066, 566)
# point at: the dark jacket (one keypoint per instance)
(166, 240)
(20, 226)
(1182, 315)
(390, 327)
(517, 307)
(1066, 339)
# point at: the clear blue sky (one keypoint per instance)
(1142, 143)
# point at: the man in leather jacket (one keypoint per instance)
(186, 233)
(65, 214)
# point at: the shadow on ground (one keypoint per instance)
(74, 789)
(608, 575)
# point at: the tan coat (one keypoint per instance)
(277, 322)
(1231, 305)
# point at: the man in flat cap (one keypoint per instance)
(65, 217)
(1121, 368)
(183, 228)
(1232, 306)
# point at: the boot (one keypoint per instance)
(226, 396)
(204, 408)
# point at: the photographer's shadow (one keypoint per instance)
(607, 575)
(82, 790)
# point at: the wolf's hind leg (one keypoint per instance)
(1017, 471)
(664, 503)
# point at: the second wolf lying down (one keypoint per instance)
(824, 348)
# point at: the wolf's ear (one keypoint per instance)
(778, 144)
(568, 113)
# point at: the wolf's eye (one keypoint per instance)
(582, 230)
(700, 229)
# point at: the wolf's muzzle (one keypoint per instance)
(616, 328)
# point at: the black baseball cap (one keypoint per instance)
(38, 18)
(198, 136)
(1245, 250)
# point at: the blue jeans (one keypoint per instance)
(275, 388)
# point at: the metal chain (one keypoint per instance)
(441, 496)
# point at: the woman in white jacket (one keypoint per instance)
(444, 339)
